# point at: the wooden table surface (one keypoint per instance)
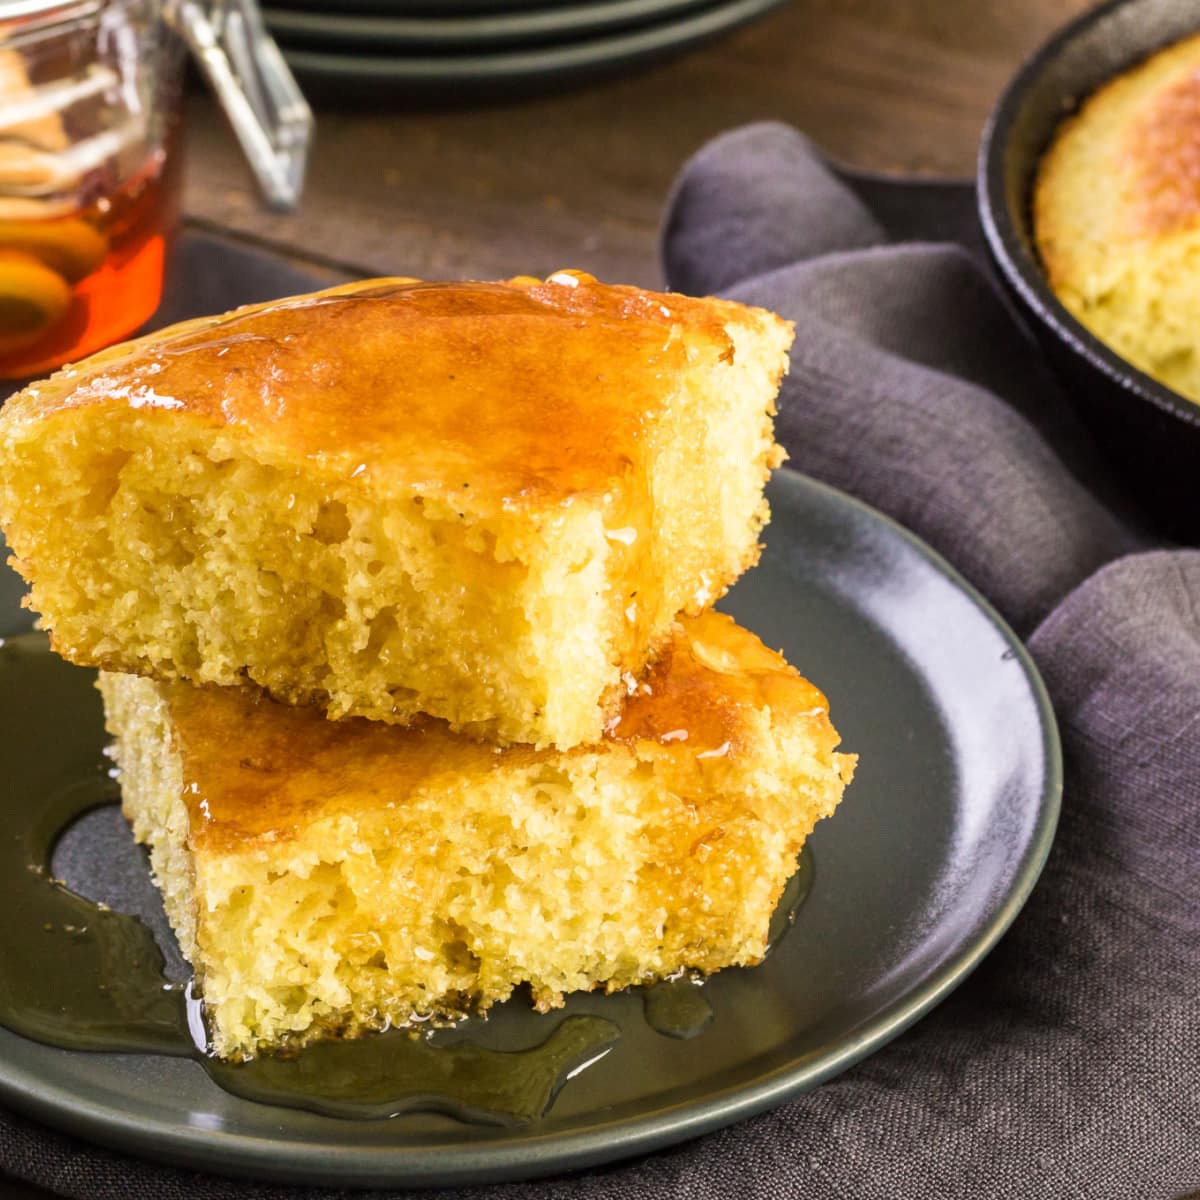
(578, 178)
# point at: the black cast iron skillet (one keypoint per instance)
(1151, 433)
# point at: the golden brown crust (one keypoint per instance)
(1163, 148)
(259, 771)
(529, 389)
(1127, 165)
(1116, 210)
(704, 683)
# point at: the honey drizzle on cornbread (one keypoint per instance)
(405, 381)
(698, 692)
(291, 762)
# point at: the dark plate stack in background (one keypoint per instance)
(443, 49)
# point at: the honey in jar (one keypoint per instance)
(88, 96)
(88, 174)
(75, 283)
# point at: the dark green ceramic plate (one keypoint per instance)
(930, 857)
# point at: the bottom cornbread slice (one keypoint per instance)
(334, 877)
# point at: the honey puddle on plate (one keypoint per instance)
(76, 974)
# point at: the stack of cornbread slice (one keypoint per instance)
(400, 593)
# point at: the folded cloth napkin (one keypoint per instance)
(1068, 1065)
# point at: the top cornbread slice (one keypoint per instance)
(483, 501)
(1117, 215)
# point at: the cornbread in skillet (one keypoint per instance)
(340, 876)
(482, 501)
(1117, 216)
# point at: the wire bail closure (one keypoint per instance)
(256, 88)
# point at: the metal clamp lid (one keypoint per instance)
(269, 115)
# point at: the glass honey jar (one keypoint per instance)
(89, 162)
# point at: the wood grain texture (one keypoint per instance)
(578, 178)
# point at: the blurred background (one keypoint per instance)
(486, 186)
(454, 138)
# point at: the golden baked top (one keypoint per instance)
(704, 682)
(1127, 165)
(258, 771)
(1116, 210)
(519, 389)
(1163, 147)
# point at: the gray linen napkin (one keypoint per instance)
(1069, 1064)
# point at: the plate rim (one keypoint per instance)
(520, 64)
(475, 32)
(247, 1156)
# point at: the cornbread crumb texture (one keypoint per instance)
(341, 876)
(1117, 215)
(487, 502)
